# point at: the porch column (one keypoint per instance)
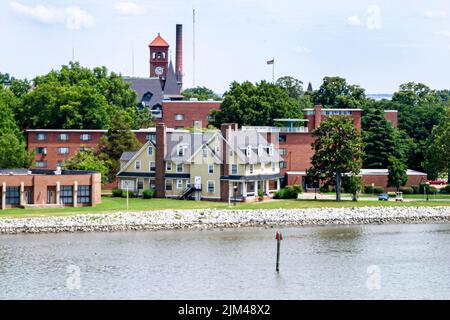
(278, 184)
(75, 193)
(267, 186)
(256, 188)
(58, 192)
(22, 191)
(3, 196)
(244, 190)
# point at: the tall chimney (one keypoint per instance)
(179, 55)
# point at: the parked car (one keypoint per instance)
(439, 182)
(383, 197)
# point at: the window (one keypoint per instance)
(41, 136)
(85, 137)
(179, 184)
(179, 116)
(248, 151)
(59, 163)
(137, 164)
(210, 168)
(63, 150)
(282, 152)
(152, 166)
(211, 186)
(140, 184)
(188, 183)
(179, 127)
(84, 194)
(205, 152)
(282, 138)
(260, 150)
(66, 194)
(150, 151)
(196, 123)
(151, 137)
(152, 184)
(270, 150)
(41, 164)
(13, 195)
(168, 166)
(41, 150)
(252, 167)
(63, 137)
(180, 150)
(179, 167)
(273, 166)
(169, 185)
(234, 169)
(282, 164)
(217, 149)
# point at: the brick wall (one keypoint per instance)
(191, 110)
(382, 181)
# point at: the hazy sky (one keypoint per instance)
(376, 44)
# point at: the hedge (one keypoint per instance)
(376, 189)
(117, 192)
(130, 194)
(406, 190)
(148, 193)
(286, 193)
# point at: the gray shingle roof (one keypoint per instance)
(171, 88)
(189, 140)
(144, 85)
(126, 156)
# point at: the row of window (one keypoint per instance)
(180, 117)
(210, 185)
(66, 195)
(269, 150)
(234, 168)
(63, 136)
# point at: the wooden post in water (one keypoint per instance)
(278, 237)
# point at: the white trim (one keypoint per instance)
(136, 166)
(137, 154)
(213, 184)
(295, 172)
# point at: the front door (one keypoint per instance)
(198, 182)
(51, 196)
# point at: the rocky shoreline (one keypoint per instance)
(212, 218)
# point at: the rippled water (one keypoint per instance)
(367, 262)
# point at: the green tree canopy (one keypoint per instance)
(338, 150)
(335, 92)
(13, 153)
(397, 173)
(415, 94)
(78, 97)
(118, 139)
(438, 152)
(201, 93)
(87, 160)
(256, 104)
(294, 87)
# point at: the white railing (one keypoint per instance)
(275, 129)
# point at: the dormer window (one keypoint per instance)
(180, 150)
(271, 150)
(248, 151)
(260, 150)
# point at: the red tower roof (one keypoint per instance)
(158, 42)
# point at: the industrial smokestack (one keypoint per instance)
(179, 54)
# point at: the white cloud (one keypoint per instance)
(436, 14)
(354, 21)
(302, 50)
(73, 17)
(128, 8)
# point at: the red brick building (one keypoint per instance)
(47, 188)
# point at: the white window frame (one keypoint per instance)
(167, 183)
(271, 148)
(260, 150)
(213, 186)
(248, 151)
(150, 166)
(136, 165)
(66, 135)
(63, 148)
(205, 152)
(85, 137)
(211, 168)
(234, 171)
(44, 164)
(217, 149)
(178, 166)
(41, 136)
(179, 184)
(180, 148)
(168, 166)
(179, 117)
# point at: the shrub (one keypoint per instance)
(406, 190)
(297, 188)
(117, 192)
(130, 194)
(426, 188)
(148, 193)
(376, 189)
(286, 193)
(415, 189)
(325, 188)
(432, 190)
(392, 194)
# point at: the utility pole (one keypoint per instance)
(193, 48)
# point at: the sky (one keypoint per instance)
(375, 44)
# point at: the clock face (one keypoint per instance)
(159, 70)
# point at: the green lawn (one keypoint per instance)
(406, 196)
(110, 204)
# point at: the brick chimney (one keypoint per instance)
(160, 156)
(225, 129)
(179, 55)
(317, 115)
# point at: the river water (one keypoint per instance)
(332, 262)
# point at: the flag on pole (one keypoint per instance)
(271, 61)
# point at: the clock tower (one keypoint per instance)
(159, 57)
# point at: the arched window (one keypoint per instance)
(154, 55)
(147, 97)
(159, 55)
(164, 55)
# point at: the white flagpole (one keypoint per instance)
(273, 71)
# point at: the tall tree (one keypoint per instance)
(338, 150)
(335, 92)
(294, 87)
(438, 152)
(256, 104)
(397, 176)
(87, 160)
(77, 97)
(201, 93)
(118, 139)
(13, 152)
